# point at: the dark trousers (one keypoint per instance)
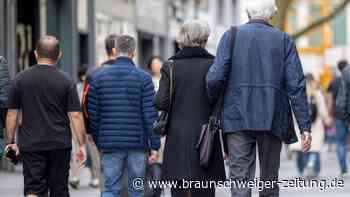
(193, 192)
(153, 173)
(46, 172)
(242, 158)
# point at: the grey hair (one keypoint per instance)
(262, 9)
(193, 33)
(125, 45)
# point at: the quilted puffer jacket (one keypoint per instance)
(121, 109)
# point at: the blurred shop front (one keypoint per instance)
(146, 20)
(22, 22)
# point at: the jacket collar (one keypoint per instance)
(192, 52)
(124, 61)
(260, 21)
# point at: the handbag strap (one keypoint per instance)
(171, 85)
(220, 102)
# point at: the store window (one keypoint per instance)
(339, 25)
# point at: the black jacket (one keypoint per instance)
(4, 86)
(342, 101)
(191, 109)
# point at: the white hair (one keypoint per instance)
(193, 33)
(261, 9)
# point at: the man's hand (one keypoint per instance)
(306, 141)
(81, 156)
(226, 156)
(90, 139)
(152, 159)
(12, 147)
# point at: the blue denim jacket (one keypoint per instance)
(266, 81)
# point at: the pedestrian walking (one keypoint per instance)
(4, 86)
(154, 65)
(263, 81)
(48, 102)
(342, 115)
(93, 160)
(110, 47)
(190, 109)
(121, 116)
(154, 167)
(309, 164)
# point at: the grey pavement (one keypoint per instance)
(11, 184)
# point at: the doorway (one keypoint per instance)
(27, 32)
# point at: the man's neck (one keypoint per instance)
(111, 58)
(124, 56)
(46, 62)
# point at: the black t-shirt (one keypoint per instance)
(44, 95)
(334, 87)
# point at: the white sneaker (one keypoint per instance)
(95, 183)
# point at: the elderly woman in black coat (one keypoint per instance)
(190, 110)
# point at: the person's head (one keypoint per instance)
(311, 81)
(125, 46)
(154, 65)
(193, 33)
(82, 74)
(48, 50)
(342, 64)
(262, 9)
(110, 44)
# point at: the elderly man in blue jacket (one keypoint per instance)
(264, 82)
(121, 115)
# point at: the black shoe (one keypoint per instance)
(74, 184)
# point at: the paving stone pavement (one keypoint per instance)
(11, 184)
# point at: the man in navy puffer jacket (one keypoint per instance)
(121, 114)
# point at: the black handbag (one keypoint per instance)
(209, 130)
(160, 126)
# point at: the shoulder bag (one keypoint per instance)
(209, 130)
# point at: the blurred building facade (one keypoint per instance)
(155, 23)
(22, 22)
(82, 25)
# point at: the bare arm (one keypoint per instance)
(11, 124)
(77, 121)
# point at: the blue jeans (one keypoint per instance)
(113, 164)
(311, 158)
(342, 136)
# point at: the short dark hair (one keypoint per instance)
(342, 64)
(110, 43)
(309, 77)
(48, 47)
(125, 44)
(81, 72)
(150, 61)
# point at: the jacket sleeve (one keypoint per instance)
(218, 72)
(296, 86)
(149, 112)
(93, 111)
(4, 83)
(162, 99)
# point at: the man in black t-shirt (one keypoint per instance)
(48, 101)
